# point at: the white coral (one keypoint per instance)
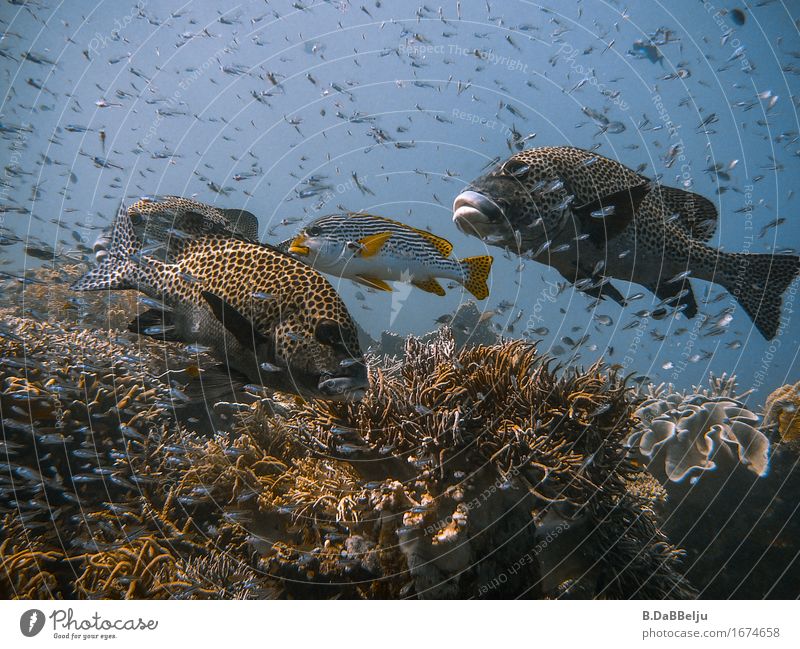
(689, 430)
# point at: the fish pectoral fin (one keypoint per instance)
(241, 328)
(429, 285)
(373, 282)
(152, 319)
(625, 203)
(668, 293)
(607, 290)
(372, 244)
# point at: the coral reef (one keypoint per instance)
(679, 433)
(781, 410)
(478, 472)
(468, 326)
(739, 530)
(738, 523)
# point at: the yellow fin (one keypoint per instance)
(373, 282)
(429, 285)
(476, 272)
(441, 244)
(373, 243)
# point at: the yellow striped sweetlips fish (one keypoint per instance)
(374, 250)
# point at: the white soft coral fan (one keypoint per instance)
(689, 430)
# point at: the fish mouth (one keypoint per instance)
(298, 247)
(475, 213)
(349, 384)
(343, 389)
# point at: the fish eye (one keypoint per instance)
(313, 231)
(328, 332)
(514, 167)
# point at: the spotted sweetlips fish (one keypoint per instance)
(373, 250)
(594, 219)
(265, 314)
(165, 219)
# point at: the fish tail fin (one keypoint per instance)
(758, 283)
(476, 273)
(117, 268)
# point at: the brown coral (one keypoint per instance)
(781, 409)
(476, 449)
(480, 472)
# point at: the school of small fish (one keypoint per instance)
(268, 132)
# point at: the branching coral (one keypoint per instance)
(26, 566)
(679, 433)
(482, 445)
(464, 472)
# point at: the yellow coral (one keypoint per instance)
(782, 409)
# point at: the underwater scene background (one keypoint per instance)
(534, 443)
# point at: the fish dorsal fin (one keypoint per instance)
(373, 282)
(697, 215)
(428, 285)
(371, 245)
(440, 243)
(243, 222)
(241, 328)
(625, 203)
(172, 221)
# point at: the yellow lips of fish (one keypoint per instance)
(297, 246)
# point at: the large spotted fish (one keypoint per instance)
(373, 250)
(165, 220)
(593, 219)
(267, 315)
